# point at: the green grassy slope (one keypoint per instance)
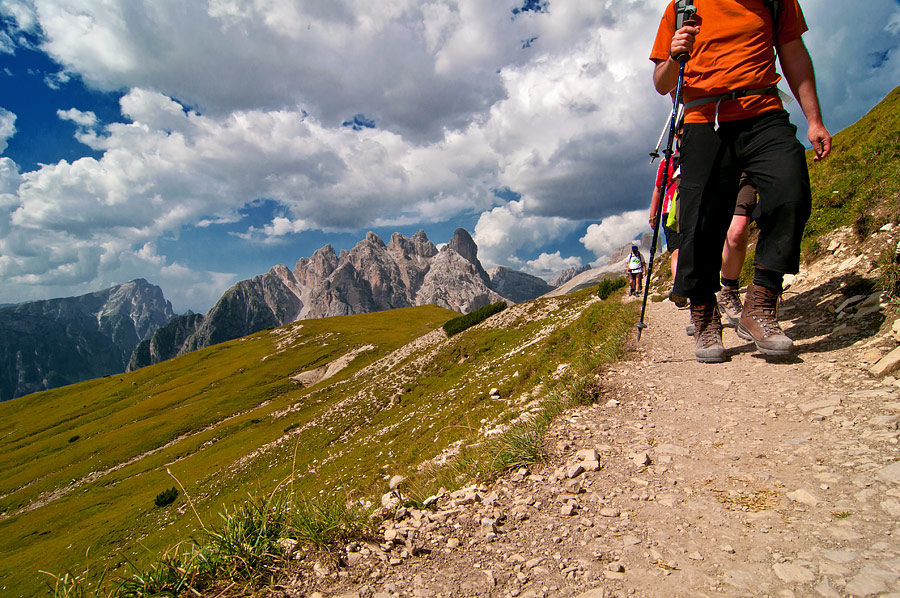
(83, 464)
(858, 185)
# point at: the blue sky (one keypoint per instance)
(197, 143)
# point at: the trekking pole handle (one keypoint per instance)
(689, 14)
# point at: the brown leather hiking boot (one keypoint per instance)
(730, 305)
(708, 347)
(759, 322)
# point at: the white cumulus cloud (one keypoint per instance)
(7, 128)
(548, 265)
(505, 229)
(231, 101)
(613, 232)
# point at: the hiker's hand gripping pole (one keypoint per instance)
(689, 14)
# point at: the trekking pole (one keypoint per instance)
(655, 153)
(688, 19)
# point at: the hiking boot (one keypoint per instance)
(679, 301)
(730, 305)
(759, 322)
(708, 347)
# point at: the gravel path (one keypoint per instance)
(747, 478)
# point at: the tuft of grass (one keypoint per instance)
(244, 549)
(519, 446)
(178, 571)
(889, 266)
(841, 514)
(245, 543)
(69, 585)
(329, 522)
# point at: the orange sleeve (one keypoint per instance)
(791, 23)
(663, 41)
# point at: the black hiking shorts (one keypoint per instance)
(767, 149)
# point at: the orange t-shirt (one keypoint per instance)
(734, 51)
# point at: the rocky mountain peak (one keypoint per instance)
(374, 239)
(568, 274)
(419, 246)
(463, 244)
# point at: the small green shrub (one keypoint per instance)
(74, 438)
(608, 286)
(457, 325)
(166, 497)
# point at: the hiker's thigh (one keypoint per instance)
(707, 190)
(776, 161)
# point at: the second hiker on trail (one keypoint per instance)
(634, 267)
(735, 122)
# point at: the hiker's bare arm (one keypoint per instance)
(665, 74)
(798, 70)
(654, 205)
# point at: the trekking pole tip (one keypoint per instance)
(640, 326)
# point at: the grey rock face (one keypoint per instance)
(463, 244)
(517, 286)
(454, 282)
(47, 344)
(567, 275)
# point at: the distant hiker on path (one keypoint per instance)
(735, 122)
(634, 267)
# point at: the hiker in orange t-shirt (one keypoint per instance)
(735, 122)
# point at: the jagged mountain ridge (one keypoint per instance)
(51, 343)
(373, 276)
(568, 274)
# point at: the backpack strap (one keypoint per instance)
(773, 10)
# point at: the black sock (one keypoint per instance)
(768, 278)
(728, 282)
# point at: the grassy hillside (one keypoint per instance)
(858, 185)
(83, 464)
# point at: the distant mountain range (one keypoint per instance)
(373, 276)
(46, 344)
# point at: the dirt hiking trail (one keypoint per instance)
(746, 478)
